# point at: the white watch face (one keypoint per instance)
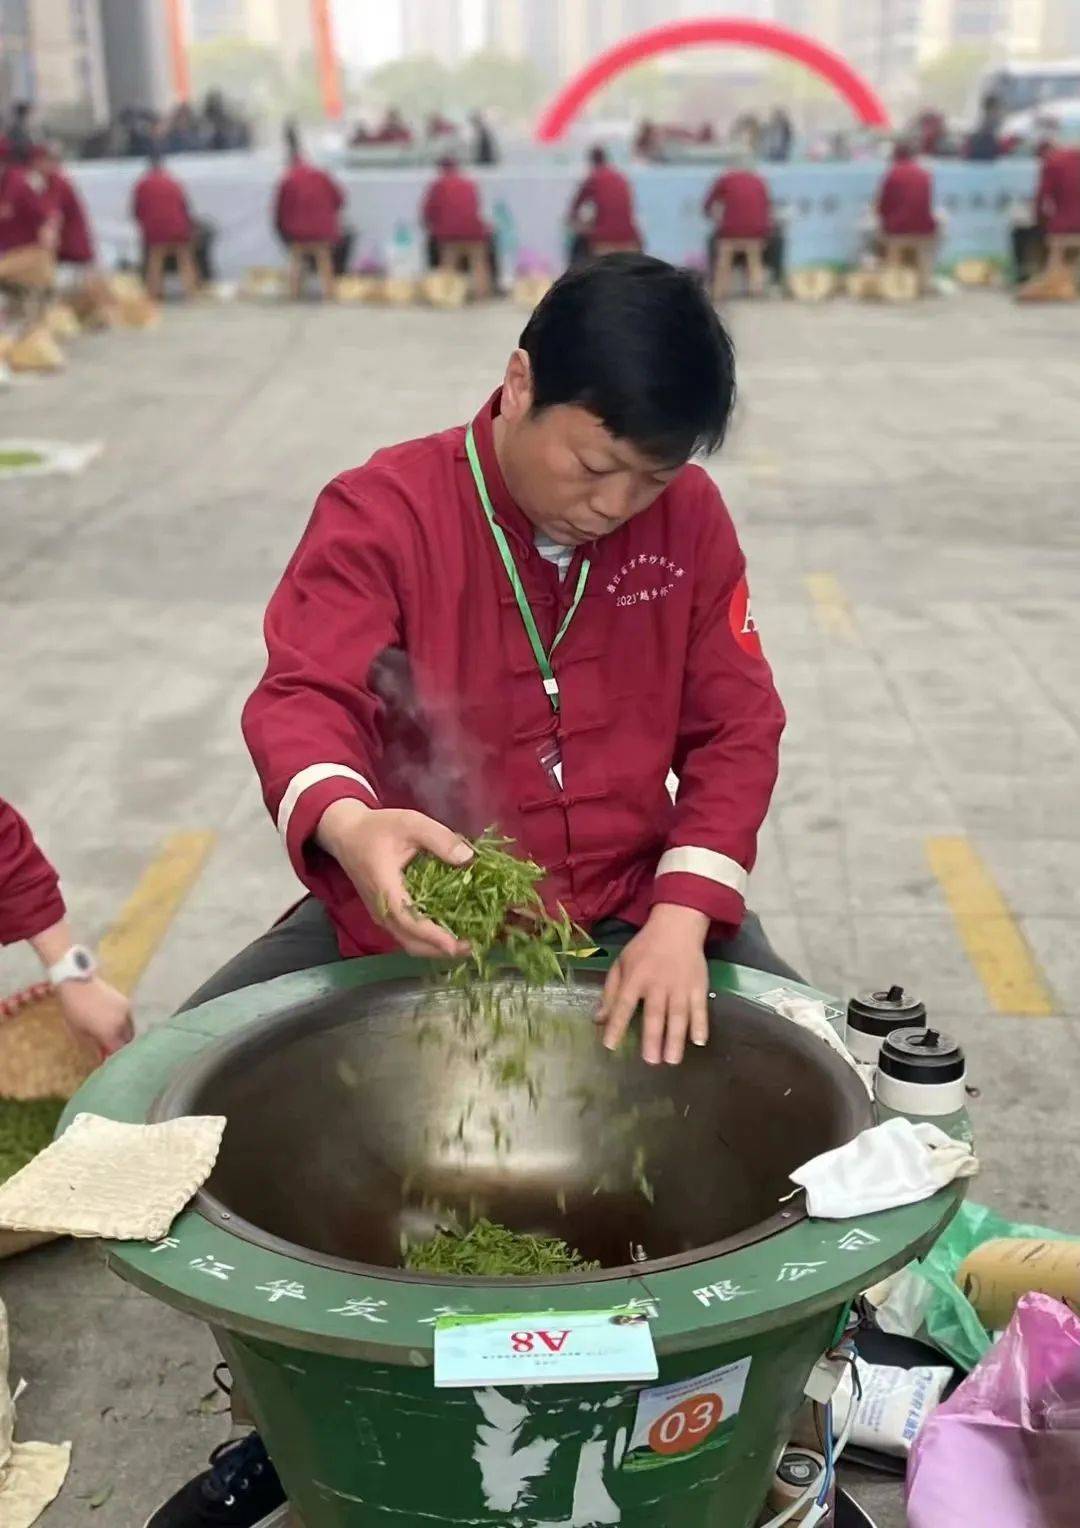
(83, 961)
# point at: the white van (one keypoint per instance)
(1030, 86)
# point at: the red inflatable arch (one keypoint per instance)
(861, 97)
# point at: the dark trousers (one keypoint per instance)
(305, 938)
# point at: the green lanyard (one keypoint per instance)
(543, 658)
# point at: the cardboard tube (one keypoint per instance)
(995, 1275)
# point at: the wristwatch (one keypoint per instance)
(78, 965)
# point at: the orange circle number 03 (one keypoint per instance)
(686, 1425)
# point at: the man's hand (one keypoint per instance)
(373, 848)
(664, 968)
(98, 1012)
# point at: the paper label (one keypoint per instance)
(544, 1348)
(675, 1421)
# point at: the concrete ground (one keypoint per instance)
(905, 481)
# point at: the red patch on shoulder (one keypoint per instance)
(740, 616)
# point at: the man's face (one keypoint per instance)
(573, 479)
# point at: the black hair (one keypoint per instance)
(598, 155)
(638, 343)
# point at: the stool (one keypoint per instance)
(158, 258)
(473, 255)
(629, 247)
(913, 249)
(1062, 250)
(321, 255)
(28, 275)
(727, 252)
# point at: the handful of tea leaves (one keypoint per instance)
(494, 900)
(493, 1251)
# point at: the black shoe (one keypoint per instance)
(241, 1489)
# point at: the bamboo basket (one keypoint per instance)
(39, 1058)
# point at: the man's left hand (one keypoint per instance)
(663, 967)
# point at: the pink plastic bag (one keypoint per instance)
(1004, 1449)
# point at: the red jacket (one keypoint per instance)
(661, 668)
(451, 208)
(1058, 198)
(76, 241)
(160, 207)
(30, 899)
(608, 192)
(23, 211)
(745, 197)
(308, 206)
(906, 200)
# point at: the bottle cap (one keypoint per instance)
(921, 1055)
(878, 1013)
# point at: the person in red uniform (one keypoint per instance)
(74, 242)
(308, 203)
(24, 212)
(602, 211)
(159, 205)
(394, 129)
(905, 199)
(1058, 196)
(404, 703)
(32, 909)
(451, 207)
(737, 204)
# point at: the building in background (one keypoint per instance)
(16, 53)
(1005, 28)
(1062, 28)
(80, 61)
(138, 69)
(51, 53)
(435, 28)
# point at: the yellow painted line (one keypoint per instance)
(126, 949)
(764, 465)
(990, 934)
(831, 605)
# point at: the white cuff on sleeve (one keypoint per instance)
(707, 863)
(314, 774)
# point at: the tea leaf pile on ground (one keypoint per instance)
(493, 1251)
(10, 459)
(493, 900)
(26, 1127)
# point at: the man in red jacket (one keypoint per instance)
(403, 703)
(602, 212)
(308, 203)
(1057, 200)
(528, 620)
(450, 210)
(451, 214)
(307, 208)
(23, 210)
(73, 241)
(159, 205)
(738, 205)
(905, 201)
(32, 908)
(905, 208)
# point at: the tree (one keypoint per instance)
(416, 85)
(249, 74)
(646, 90)
(493, 81)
